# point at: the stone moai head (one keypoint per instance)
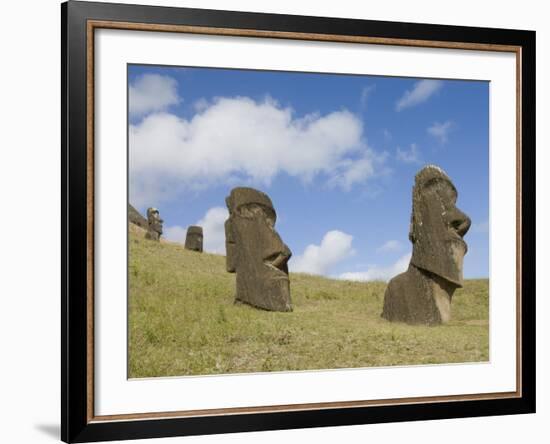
(438, 226)
(193, 239)
(256, 252)
(154, 223)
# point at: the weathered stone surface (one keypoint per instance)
(135, 217)
(256, 252)
(154, 224)
(422, 295)
(418, 297)
(193, 238)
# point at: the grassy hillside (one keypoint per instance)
(182, 321)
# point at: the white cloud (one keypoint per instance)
(319, 259)
(421, 91)
(390, 246)
(174, 233)
(365, 94)
(350, 172)
(152, 93)
(241, 140)
(213, 229)
(409, 156)
(376, 273)
(201, 104)
(441, 131)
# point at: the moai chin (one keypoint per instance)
(255, 251)
(193, 239)
(154, 225)
(422, 294)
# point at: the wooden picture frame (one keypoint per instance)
(80, 20)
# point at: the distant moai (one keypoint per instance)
(154, 224)
(422, 294)
(193, 239)
(255, 251)
(135, 217)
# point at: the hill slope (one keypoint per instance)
(182, 321)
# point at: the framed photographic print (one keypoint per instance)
(276, 221)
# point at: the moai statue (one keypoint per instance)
(193, 239)
(256, 252)
(154, 224)
(422, 294)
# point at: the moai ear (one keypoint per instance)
(230, 248)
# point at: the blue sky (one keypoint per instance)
(337, 154)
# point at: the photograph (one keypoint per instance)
(279, 221)
(283, 221)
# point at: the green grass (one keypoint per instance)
(182, 321)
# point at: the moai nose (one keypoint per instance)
(460, 222)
